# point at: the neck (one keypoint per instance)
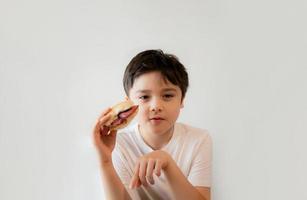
(156, 140)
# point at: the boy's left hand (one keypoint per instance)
(148, 165)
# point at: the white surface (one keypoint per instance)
(61, 63)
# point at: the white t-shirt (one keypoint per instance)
(190, 148)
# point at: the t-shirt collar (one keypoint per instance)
(146, 148)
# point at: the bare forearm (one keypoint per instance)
(180, 186)
(113, 187)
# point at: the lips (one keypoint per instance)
(156, 118)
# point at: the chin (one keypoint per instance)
(159, 130)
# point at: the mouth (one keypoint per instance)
(156, 118)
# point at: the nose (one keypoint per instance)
(156, 105)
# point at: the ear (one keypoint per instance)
(126, 98)
(182, 103)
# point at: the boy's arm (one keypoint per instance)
(200, 172)
(105, 144)
(113, 187)
(181, 187)
(154, 163)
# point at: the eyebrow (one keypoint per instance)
(164, 90)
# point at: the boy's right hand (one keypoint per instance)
(104, 140)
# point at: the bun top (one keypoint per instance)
(116, 109)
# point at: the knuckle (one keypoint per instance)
(143, 180)
(141, 174)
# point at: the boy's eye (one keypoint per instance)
(144, 97)
(168, 96)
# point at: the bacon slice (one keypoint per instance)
(122, 116)
(118, 121)
(125, 114)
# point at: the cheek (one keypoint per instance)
(135, 101)
(175, 111)
(142, 112)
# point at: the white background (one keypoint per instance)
(62, 61)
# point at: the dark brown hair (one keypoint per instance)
(156, 60)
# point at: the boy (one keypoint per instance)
(156, 158)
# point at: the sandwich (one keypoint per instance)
(121, 115)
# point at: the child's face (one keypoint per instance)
(159, 102)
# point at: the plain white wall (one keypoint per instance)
(62, 61)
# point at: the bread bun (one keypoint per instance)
(121, 115)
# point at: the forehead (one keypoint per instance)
(152, 81)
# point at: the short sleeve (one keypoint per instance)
(200, 173)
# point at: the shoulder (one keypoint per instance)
(198, 142)
(193, 133)
(191, 139)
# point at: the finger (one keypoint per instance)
(135, 177)
(101, 122)
(100, 128)
(104, 130)
(158, 168)
(97, 138)
(113, 133)
(142, 172)
(100, 133)
(106, 111)
(97, 130)
(138, 183)
(149, 171)
(103, 119)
